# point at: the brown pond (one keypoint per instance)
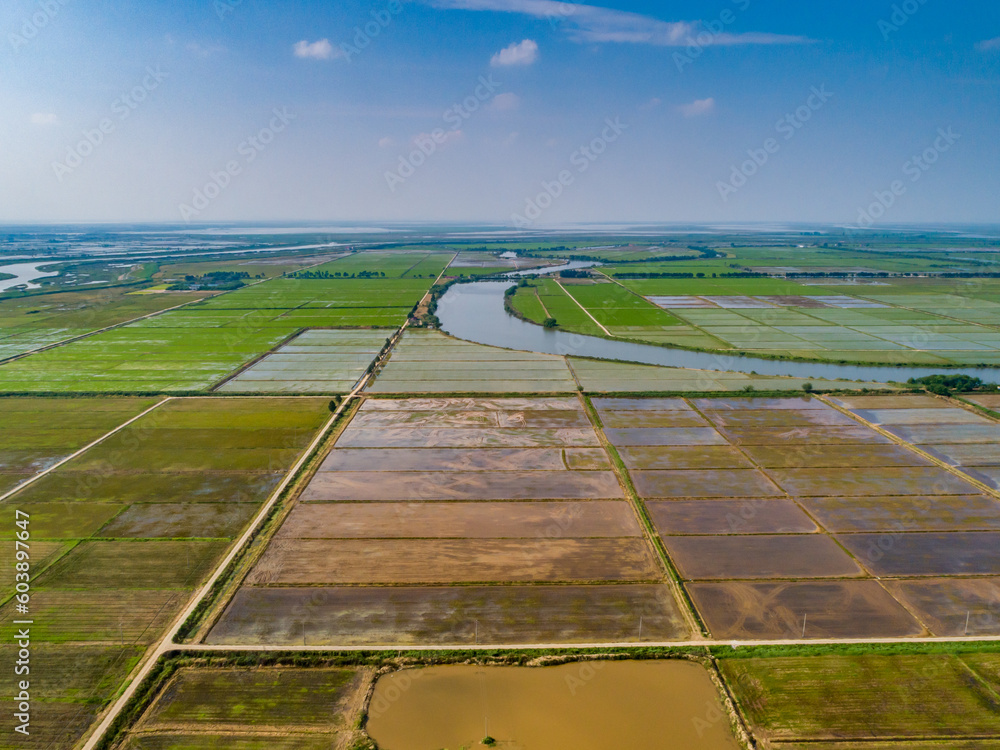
(585, 706)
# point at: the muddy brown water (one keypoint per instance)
(585, 706)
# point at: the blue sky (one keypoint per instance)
(215, 110)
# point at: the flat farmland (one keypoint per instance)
(39, 432)
(122, 534)
(769, 507)
(317, 361)
(239, 709)
(196, 347)
(512, 491)
(834, 701)
(431, 362)
(31, 322)
(448, 615)
(955, 435)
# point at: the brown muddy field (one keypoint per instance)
(430, 561)
(871, 481)
(968, 454)
(683, 457)
(921, 416)
(714, 483)
(484, 485)
(484, 419)
(575, 520)
(471, 404)
(833, 456)
(640, 404)
(944, 434)
(927, 554)
(733, 516)
(427, 437)
(828, 609)
(582, 706)
(760, 556)
(502, 615)
(644, 419)
(903, 401)
(953, 606)
(743, 404)
(771, 418)
(665, 436)
(920, 513)
(847, 435)
(459, 459)
(989, 400)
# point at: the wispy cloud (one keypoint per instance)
(320, 50)
(44, 118)
(506, 102)
(204, 50)
(524, 53)
(698, 107)
(989, 45)
(590, 23)
(386, 142)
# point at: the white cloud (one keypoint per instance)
(511, 139)
(698, 108)
(651, 104)
(44, 118)
(440, 138)
(506, 102)
(589, 23)
(386, 142)
(320, 50)
(989, 45)
(525, 53)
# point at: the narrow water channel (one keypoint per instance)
(475, 312)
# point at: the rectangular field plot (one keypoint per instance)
(431, 362)
(733, 516)
(360, 486)
(871, 481)
(760, 556)
(819, 609)
(683, 457)
(709, 483)
(449, 615)
(905, 513)
(953, 607)
(832, 698)
(465, 495)
(318, 361)
(927, 554)
(576, 520)
(39, 432)
(431, 561)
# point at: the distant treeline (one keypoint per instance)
(217, 280)
(689, 275)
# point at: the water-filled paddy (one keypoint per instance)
(585, 706)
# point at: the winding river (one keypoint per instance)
(475, 312)
(24, 274)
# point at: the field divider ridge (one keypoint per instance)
(84, 449)
(684, 602)
(166, 642)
